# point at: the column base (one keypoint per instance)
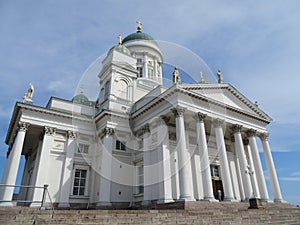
(164, 200)
(279, 200)
(229, 199)
(209, 199)
(146, 202)
(186, 198)
(7, 204)
(35, 204)
(265, 200)
(63, 205)
(104, 204)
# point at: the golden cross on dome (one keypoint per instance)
(139, 25)
(120, 39)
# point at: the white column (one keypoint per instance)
(271, 168)
(145, 59)
(257, 166)
(239, 147)
(204, 159)
(185, 171)
(67, 171)
(164, 174)
(12, 166)
(226, 178)
(43, 170)
(106, 164)
(147, 164)
(252, 171)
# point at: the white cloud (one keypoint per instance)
(290, 178)
(56, 85)
(295, 176)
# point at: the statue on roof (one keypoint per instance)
(220, 77)
(176, 76)
(27, 98)
(202, 81)
(120, 39)
(139, 25)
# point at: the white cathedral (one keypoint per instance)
(139, 143)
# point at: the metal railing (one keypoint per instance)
(42, 201)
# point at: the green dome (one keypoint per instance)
(137, 36)
(81, 98)
(121, 48)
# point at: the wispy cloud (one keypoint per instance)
(295, 176)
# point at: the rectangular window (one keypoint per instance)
(140, 71)
(120, 146)
(150, 73)
(139, 60)
(83, 148)
(80, 178)
(214, 170)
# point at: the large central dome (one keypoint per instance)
(139, 35)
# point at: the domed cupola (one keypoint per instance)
(139, 35)
(120, 48)
(80, 98)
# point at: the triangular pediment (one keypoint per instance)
(226, 94)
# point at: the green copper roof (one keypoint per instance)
(81, 98)
(121, 48)
(137, 36)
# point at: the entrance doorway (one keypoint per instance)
(217, 187)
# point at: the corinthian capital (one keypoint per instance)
(49, 130)
(71, 134)
(178, 111)
(23, 126)
(251, 133)
(108, 131)
(218, 122)
(200, 116)
(236, 128)
(264, 136)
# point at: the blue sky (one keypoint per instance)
(254, 43)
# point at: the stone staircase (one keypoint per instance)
(193, 213)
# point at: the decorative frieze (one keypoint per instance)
(178, 111)
(236, 128)
(23, 126)
(49, 130)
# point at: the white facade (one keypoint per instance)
(140, 143)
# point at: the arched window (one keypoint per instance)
(123, 89)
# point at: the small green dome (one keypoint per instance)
(137, 36)
(121, 48)
(81, 98)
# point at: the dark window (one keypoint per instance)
(120, 146)
(140, 71)
(79, 182)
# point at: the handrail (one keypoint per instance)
(43, 200)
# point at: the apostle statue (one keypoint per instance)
(27, 98)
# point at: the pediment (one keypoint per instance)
(226, 94)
